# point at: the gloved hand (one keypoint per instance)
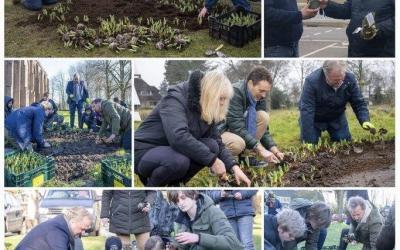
(87, 100)
(368, 126)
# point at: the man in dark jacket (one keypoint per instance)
(247, 120)
(25, 125)
(209, 4)
(174, 142)
(273, 203)
(285, 226)
(127, 212)
(58, 233)
(323, 102)
(118, 119)
(382, 41)
(77, 96)
(54, 117)
(238, 207)
(387, 237)
(317, 217)
(366, 224)
(283, 27)
(120, 102)
(8, 105)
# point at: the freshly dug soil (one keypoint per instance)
(76, 153)
(126, 8)
(373, 167)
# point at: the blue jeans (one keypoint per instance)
(72, 107)
(243, 228)
(338, 130)
(282, 51)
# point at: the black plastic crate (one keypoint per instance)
(235, 35)
(112, 177)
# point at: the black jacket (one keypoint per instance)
(283, 22)
(121, 207)
(355, 10)
(7, 110)
(271, 235)
(176, 122)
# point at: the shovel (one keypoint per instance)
(215, 52)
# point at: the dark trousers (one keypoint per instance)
(343, 244)
(322, 236)
(291, 50)
(127, 140)
(162, 165)
(73, 106)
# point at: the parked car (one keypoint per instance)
(13, 214)
(56, 202)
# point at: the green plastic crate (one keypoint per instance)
(113, 178)
(33, 178)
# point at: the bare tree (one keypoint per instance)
(121, 74)
(58, 85)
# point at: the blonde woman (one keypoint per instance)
(180, 137)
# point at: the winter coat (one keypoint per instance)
(321, 104)
(273, 206)
(121, 207)
(162, 216)
(367, 231)
(271, 234)
(212, 226)
(234, 208)
(387, 236)
(355, 10)
(311, 235)
(7, 110)
(26, 124)
(49, 235)
(70, 91)
(176, 122)
(283, 22)
(115, 116)
(236, 118)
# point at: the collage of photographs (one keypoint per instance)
(199, 125)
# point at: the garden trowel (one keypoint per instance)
(216, 52)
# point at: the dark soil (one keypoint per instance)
(75, 153)
(95, 9)
(373, 167)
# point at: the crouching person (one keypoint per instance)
(53, 117)
(118, 119)
(286, 226)
(25, 126)
(180, 136)
(201, 225)
(58, 233)
(91, 119)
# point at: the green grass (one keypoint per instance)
(257, 231)
(34, 41)
(286, 132)
(333, 236)
(89, 243)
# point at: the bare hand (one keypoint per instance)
(223, 194)
(238, 196)
(110, 139)
(219, 169)
(203, 12)
(280, 155)
(105, 221)
(267, 155)
(308, 13)
(146, 209)
(240, 176)
(187, 238)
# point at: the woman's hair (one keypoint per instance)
(173, 195)
(154, 243)
(354, 202)
(78, 214)
(290, 221)
(214, 85)
(320, 213)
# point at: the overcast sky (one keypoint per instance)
(152, 70)
(54, 66)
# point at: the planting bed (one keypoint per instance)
(75, 153)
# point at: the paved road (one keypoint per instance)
(324, 42)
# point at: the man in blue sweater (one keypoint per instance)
(323, 101)
(283, 27)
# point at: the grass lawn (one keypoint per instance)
(257, 231)
(32, 41)
(286, 133)
(333, 236)
(89, 243)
